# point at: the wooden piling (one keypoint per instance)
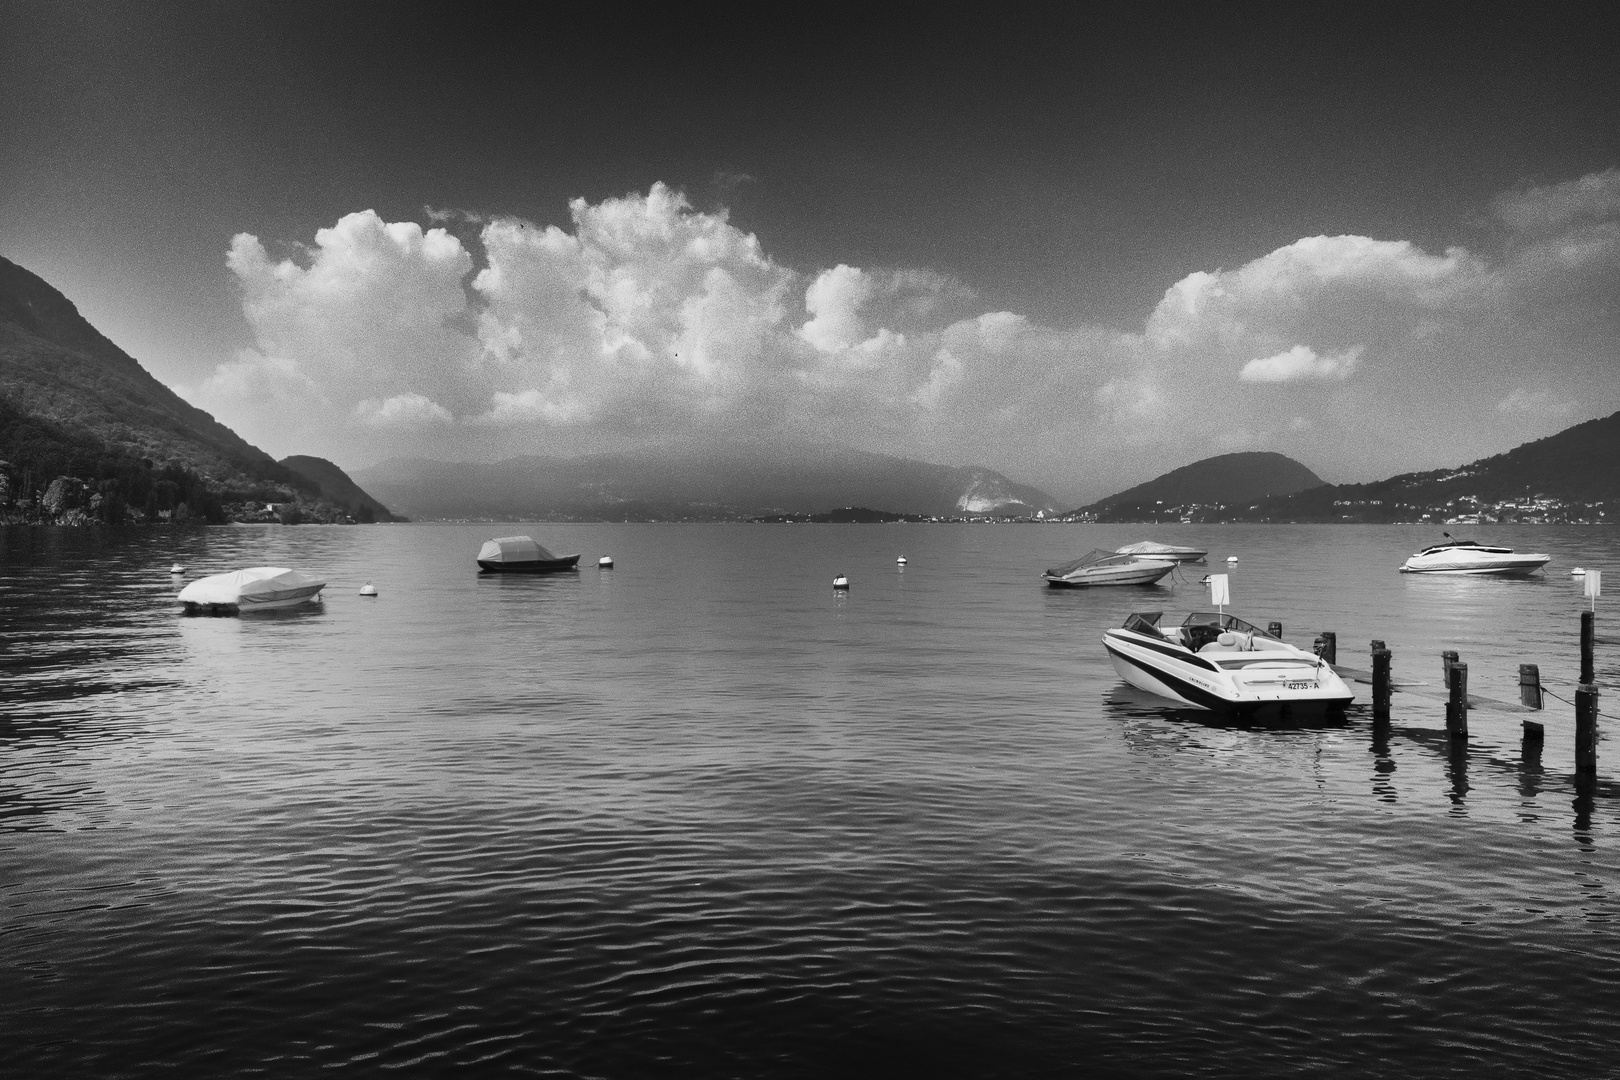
(1457, 706)
(1588, 636)
(1380, 683)
(1530, 686)
(1376, 645)
(1447, 658)
(1586, 707)
(1535, 732)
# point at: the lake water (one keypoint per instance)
(700, 816)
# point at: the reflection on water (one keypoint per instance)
(693, 818)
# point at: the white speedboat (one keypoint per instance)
(1470, 557)
(1107, 568)
(258, 588)
(1219, 662)
(1151, 550)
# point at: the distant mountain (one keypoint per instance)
(87, 434)
(1227, 479)
(696, 481)
(335, 485)
(1571, 476)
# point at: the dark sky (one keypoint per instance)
(1065, 163)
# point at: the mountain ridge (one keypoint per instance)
(88, 435)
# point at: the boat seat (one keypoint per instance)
(1230, 642)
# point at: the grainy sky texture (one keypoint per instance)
(1079, 246)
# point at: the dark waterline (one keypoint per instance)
(700, 816)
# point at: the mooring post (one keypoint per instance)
(1457, 706)
(1275, 630)
(1588, 635)
(1381, 689)
(1530, 686)
(1327, 646)
(1586, 708)
(1447, 658)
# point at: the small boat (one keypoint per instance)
(1471, 557)
(521, 555)
(177, 569)
(258, 588)
(1579, 571)
(368, 589)
(1219, 662)
(1107, 568)
(1164, 551)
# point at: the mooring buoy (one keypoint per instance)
(901, 561)
(605, 563)
(368, 589)
(177, 569)
(841, 582)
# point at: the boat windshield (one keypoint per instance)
(1222, 621)
(1471, 545)
(1144, 622)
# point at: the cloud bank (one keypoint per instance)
(648, 320)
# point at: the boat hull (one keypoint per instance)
(1194, 682)
(529, 566)
(248, 605)
(1140, 574)
(1501, 566)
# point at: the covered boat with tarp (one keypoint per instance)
(1107, 568)
(521, 555)
(258, 588)
(1154, 550)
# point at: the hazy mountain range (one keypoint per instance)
(727, 481)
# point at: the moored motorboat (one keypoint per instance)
(258, 588)
(1473, 558)
(1153, 550)
(521, 555)
(1107, 568)
(1219, 662)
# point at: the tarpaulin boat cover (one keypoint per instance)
(1092, 558)
(514, 549)
(255, 585)
(1150, 547)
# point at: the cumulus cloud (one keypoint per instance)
(645, 319)
(1593, 197)
(1300, 364)
(401, 411)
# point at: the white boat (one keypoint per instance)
(1107, 568)
(1219, 662)
(1470, 557)
(258, 588)
(1153, 550)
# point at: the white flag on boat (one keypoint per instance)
(1219, 594)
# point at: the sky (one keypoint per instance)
(1082, 246)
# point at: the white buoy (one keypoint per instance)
(368, 589)
(605, 562)
(901, 561)
(1578, 572)
(840, 582)
(1231, 558)
(177, 569)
